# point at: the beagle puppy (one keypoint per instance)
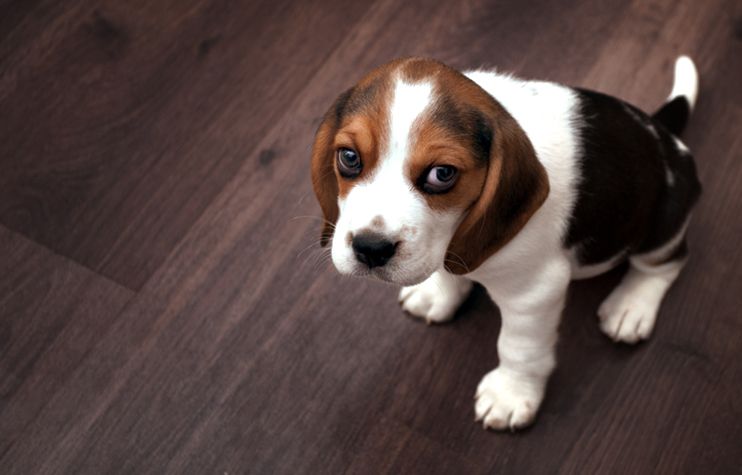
(431, 178)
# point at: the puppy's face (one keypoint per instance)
(407, 165)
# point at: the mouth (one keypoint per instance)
(388, 276)
(377, 273)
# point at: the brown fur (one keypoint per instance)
(515, 187)
(500, 183)
(355, 120)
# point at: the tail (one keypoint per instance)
(675, 112)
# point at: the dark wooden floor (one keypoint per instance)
(164, 307)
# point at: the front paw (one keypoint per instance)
(436, 299)
(507, 401)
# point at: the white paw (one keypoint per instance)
(436, 299)
(506, 402)
(627, 317)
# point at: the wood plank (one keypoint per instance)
(122, 121)
(52, 311)
(244, 352)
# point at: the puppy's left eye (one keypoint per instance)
(440, 179)
(349, 163)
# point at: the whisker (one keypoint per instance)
(308, 248)
(460, 262)
(328, 223)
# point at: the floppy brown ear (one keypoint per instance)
(515, 187)
(323, 165)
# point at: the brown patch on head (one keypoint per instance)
(454, 130)
(500, 182)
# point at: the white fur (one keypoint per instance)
(582, 271)
(423, 234)
(669, 177)
(437, 298)
(529, 276)
(686, 80)
(680, 145)
(630, 311)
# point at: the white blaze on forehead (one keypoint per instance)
(421, 234)
(388, 193)
(408, 103)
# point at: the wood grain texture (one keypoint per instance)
(165, 145)
(117, 116)
(52, 311)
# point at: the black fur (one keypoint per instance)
(447, 114)
(625, 203)
(674, 115)
(482, 135)
(352, 101)
(467, 122)
(339, 107)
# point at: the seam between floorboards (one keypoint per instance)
(70, 260)
(279, 123)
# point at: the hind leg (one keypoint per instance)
(630, 311)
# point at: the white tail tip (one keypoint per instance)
(686, 80)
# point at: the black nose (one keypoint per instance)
(372, 249)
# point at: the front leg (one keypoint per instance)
(436, 299)
(531, 306)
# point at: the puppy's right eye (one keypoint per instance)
(440, 179)
(349, 163)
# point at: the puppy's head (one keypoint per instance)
(416, 169)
